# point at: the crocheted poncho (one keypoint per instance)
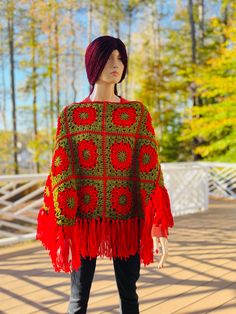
(105, 190)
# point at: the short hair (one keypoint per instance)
(97, 54)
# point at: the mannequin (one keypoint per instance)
(105, 194)
(104, 90)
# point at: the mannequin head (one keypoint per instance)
(104, 55)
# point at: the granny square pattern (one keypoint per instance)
(105, 188)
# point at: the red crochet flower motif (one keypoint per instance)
(60, 161)
(121, 200)
(84, 115)
(68, 203)
(58, 127)
(147, 158)
(148, 124)
(124, 117)
(121, 156)
(87, 153)
(88, 199)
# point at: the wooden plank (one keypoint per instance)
(226, 308)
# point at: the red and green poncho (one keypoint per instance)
(105, 194)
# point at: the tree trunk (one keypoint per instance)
(225, 19)
(34, 87)
(89, 34)
(130, 15)
(156, 32)
(73, 50)
(10, 24)
(57, 67)
(192, 30)
(51, 101)
(3, 87)
(195, 141)
(201, 13)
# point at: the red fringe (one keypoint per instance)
(116, 238)
(105, 237)
(157, 212)
(163, 215)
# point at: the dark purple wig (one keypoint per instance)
(97, 54)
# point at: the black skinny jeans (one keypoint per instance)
(126, 273)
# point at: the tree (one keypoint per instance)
(10, 27)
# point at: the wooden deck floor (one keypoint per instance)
(199, 276)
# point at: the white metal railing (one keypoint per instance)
(20, 199)
(222, 179)
(189, 185)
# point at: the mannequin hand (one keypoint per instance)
(164, 249)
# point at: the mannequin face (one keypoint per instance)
(114, 63)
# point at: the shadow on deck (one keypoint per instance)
(199, 275)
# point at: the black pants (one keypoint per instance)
(126, 273)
